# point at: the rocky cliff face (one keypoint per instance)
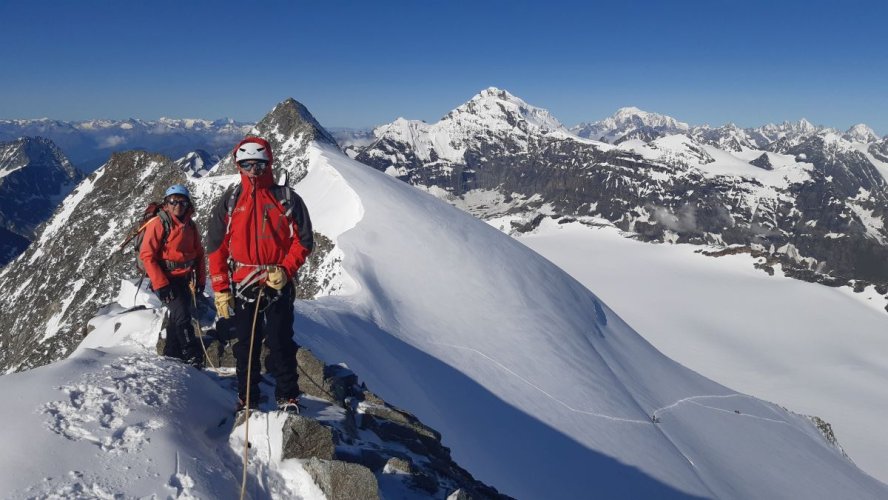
(803, 196)
(34, 176)
(73, 266)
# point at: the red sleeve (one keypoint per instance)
(303, 239)
(219, 264)
(295, 257)
(150, 253)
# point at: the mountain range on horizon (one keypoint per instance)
(667, 214)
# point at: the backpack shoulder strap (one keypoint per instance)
(167, 223)
(231, 196)
(284, 196)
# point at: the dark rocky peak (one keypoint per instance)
(763, 162)
(290, 128)
(291, 119)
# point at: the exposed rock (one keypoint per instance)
(460, 494)
(762, 162)
(332, 383)
(342, 480)
(398, 465)
(75, 258)
(306, 438)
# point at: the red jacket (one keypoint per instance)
(259, 233)
(182, 245)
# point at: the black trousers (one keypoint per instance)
(274, 325)
(180, 340)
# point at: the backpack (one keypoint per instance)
(138, 233)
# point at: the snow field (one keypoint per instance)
(814, 349)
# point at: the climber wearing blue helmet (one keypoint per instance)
(173, 255)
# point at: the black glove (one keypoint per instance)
(165, 294)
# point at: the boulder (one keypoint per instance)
(343, 481)
(305, 438)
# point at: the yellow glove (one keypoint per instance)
(224, 300)
(277, 278)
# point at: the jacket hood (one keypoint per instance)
(267, 177)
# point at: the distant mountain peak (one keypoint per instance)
(291, 118)
(630, 121)
(861, 132)
(493, 105)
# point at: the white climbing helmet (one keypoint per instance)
(249, 150)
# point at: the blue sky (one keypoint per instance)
(363, 63)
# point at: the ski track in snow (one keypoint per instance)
(689, 400)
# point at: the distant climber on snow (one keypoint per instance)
(173, 256)
(259, 236)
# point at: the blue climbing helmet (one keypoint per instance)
(177, 189)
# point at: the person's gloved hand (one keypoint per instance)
(165, 294)
(224, 301)
(277, 278)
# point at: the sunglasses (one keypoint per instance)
(177, 203)
(251, 164)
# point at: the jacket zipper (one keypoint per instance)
(256, 222)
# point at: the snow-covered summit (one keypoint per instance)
(628, 120)
(492, 116)
(494, 107)
(862, 133)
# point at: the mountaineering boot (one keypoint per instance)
(241, 405)
(255, 399)
(289, 405)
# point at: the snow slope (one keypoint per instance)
(115, 420)
(816, 350)
(537, 386)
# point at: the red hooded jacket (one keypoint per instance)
(182, 246)
(259, 232)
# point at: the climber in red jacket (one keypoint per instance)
(171, 251)
(259, 236)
